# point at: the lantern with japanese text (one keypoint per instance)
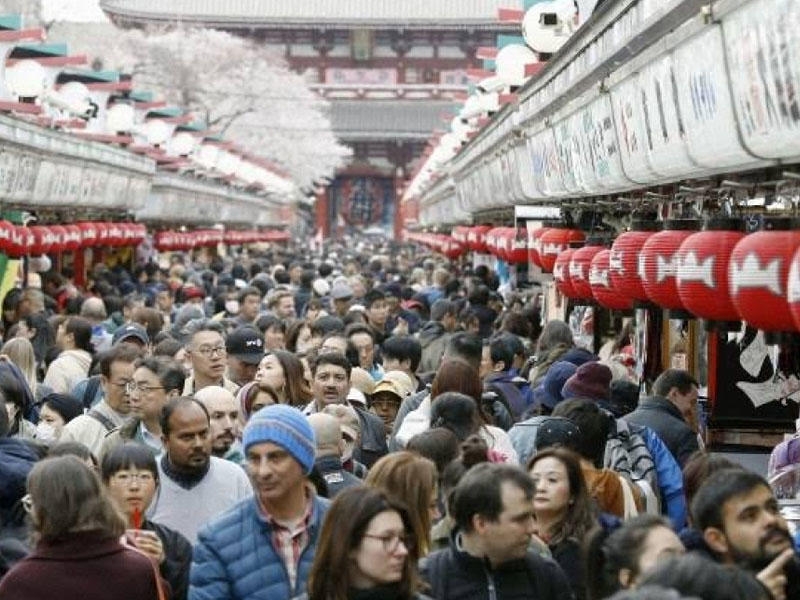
(603, 290)
(554, 242)
(73, 238)
(759, 273)
(42, 240)
(476, 238)
(703, 262)
(561, 273)
(579, 266)
(89, 234)
(660, 264)
(625, 268)
(59, 233)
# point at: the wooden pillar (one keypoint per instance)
(322, 222)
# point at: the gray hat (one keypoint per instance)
(341, 291)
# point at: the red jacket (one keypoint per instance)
(88, 566)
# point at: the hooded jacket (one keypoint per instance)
(67, 370)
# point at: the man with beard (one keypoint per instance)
(739, 518)
(223, 411)
(195, 487)
(208, 354)
(264, 547)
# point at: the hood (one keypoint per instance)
(17, 458)
(83, 358)
(430, 331)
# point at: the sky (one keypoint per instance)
(72, 10)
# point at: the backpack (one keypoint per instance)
(90, 391)
(627, 453)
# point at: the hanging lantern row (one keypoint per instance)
(438, 242)
(17, 241)
(186, 240)
(720, 273)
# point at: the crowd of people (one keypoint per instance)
(365, 424)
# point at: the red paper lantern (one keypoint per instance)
(42, 240)
(164, 240)
(603, 290)
(139, 233)
(451, 248)
(16, 241)
(59, 239)
(5, 235)
(579, 266)
(554, 242)
(492, 240)
(103, 233)
(625, 268)
(89, 234)
(476, 238)
(459, 234)
(660, 262)
(703, 264)
(518, 252)
(73, 238)
(535, 245)
(561, 273)
(116, 234)
(759, 274)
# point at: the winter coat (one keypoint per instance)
(433, 338)
(663, 417)
(234, 557)
(455, 575)
(90, 565)
(336, 477)
(17, 458)
(515, 392)
(67, 370)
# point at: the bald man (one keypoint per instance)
(223, 412)
(330, 445)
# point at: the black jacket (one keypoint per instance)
(455, 575)
(335, 476)
(178, 558)
(663, 417)
(373, 438)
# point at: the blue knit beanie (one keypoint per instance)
(286, 427)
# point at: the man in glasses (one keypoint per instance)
(116, 372)
(206, 351)
(154, 382)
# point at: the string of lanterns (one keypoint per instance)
(711, 270)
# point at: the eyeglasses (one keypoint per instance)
(132, 387)
(125, 479)
(209, 351)
(27, 503)
(391, 542)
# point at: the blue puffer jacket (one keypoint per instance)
(670, 479)
(234, 558)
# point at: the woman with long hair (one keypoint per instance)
(283, 371)
(365, 550)
(563, 509)
(78, 553)
(20, 351)
(411, 480)
(458, 376)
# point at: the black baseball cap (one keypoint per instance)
(246, 344)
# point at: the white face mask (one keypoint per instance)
(232, 307)
(45, 432)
